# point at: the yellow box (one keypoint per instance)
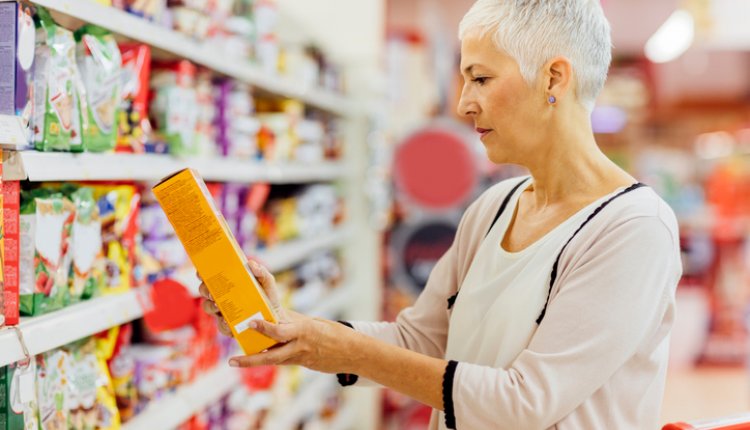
(215, 254)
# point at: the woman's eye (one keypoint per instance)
(479, 81)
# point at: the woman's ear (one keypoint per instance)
(558, 77)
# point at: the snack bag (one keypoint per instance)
(53, 377)
(82, 387)
(118, 210)
(175, 108)
(99, 63)
(87, 271)
(107, 415)
(57, 122)
(46, 222)
(18, 400)
(122, 369)
(132, 117)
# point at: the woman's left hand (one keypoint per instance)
(317, 344)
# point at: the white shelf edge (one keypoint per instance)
(286, 255)
(308, 400)
(53, 330)
(344, 418)
(205, 54)
(176, 408)
(333, 302)
(59, 166)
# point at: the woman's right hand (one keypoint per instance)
(266, 281)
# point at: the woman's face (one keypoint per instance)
(506, 111)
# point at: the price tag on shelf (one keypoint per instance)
(12, 132)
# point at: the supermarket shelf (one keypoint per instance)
(286, 255)
(282, 257)
(333, 302)
(50, 166)
(47, 332)
(309, 400)
(205, 54)
(173, 410)
(344, 419)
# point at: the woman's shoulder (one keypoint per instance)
(633, 209)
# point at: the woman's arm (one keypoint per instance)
(330, 347)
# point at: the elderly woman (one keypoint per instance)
(553, 306)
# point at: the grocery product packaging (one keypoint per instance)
(16, 59)
(57, 120)
(99, 63)
(217, 256)
(46, 222)
(10, 250)
(175, 108)
(132, 117)
(18, 399)
(122, 370)
(118, 212)
(52, 379)
(81, 387)
(107, 414)
(86, 277)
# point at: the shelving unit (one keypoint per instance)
(170, 411)
(212, 386)
(60, 166)
(205, 54)
(59, 328)
(47, 332)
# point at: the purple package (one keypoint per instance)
(17, 44)
(223, 90)
(154, 223)
(231, 205)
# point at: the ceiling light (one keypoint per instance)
(672, 39)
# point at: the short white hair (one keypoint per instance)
(535, 31)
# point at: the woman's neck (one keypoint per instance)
(573, 169)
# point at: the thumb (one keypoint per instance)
(278, 332)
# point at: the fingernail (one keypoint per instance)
(234, 363)
(253, 325)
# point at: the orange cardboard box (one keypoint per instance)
(216, 255)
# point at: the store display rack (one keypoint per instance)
(47, 332)
(212, 386)
(205, 54)
(61, 166)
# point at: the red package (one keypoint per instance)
(133, 125)
(11, 209)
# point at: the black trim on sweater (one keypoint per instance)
(553, 276)
(450, 373)
(346, 379)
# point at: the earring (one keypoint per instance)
(552, 100)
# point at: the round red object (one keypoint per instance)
(435, 169)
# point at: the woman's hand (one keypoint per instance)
(266, 281)
(321, 345)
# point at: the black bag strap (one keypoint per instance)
(553, 277)
(503, 205)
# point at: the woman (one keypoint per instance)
(552, 308)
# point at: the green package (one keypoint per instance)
(46, 223)
(99, 63)
(18, 405)
(53, 389)
(86, 270)
(83, 384)
(57, 120)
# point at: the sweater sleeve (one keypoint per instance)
(611, 300)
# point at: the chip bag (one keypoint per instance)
(99, 63)
(46, 223)
(57, 121)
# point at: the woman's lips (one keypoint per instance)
(483, 131)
